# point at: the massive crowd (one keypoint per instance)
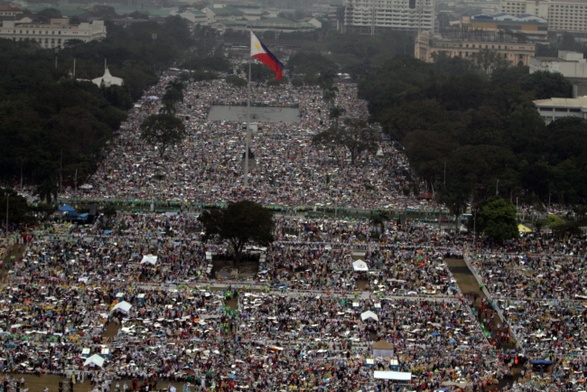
(309, 319)
(290, 170)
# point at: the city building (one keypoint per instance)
(569, 64)
(53, 34)
(192, 16)
(554, 108)
(428, 46)
(276, 24)
(374, 16)
(572, 65)
(221, 13)
(562, 15)
(9, 10)
(532, 27)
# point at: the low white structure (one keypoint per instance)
(360, 265)
(391, 375)
(108, 80)
(554, 108)
(194, 17)
(122, 306)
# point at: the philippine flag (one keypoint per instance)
(261, 53)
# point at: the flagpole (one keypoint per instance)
(248, 115)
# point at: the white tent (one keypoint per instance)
(123, 306)
(360, 265)
(369, 314)
(149, 259)
(390, 375)
(107, 79)
(95, 359)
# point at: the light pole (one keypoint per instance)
(7, 207)
(474, 229)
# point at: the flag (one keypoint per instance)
(261, 53)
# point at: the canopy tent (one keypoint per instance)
(360, 265)
(524, 229)
(391, 375)
(123, 306)
(383, 348)
(369, 314)
(150, 259)
(95, 359)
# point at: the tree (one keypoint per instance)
(455, 195)
(329, 95)
(335, 113)
(47, 14)
(488, 60)
(496, 218)
(162, 131)
(172, 96)
(545, 85)
(47, 190)
(18, 209)
(239, 223)
(355, 134)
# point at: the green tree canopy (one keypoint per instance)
(162, 131)
(16, 206)
(239, 223)
(356, 135)
(496, 218)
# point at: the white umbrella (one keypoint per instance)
(95, 359)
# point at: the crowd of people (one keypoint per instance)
(62, 297)
(289, 169)
(142, 290)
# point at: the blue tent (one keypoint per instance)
(66, 208)
(541, 362)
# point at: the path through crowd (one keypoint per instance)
(487, 318)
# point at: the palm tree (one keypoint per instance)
(173, 94)
(329, 95)
(335, 113)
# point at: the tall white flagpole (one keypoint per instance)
(248, 115)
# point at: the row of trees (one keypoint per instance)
(469, 135)
(56, 124)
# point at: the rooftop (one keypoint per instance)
(579, 102)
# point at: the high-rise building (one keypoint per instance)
(374, 16)
(562, 15)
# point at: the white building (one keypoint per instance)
(54, 34)
(9, 10)
(373, 16)
(569, 64)
(554, 108)
(194, 17)
(562, 15)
